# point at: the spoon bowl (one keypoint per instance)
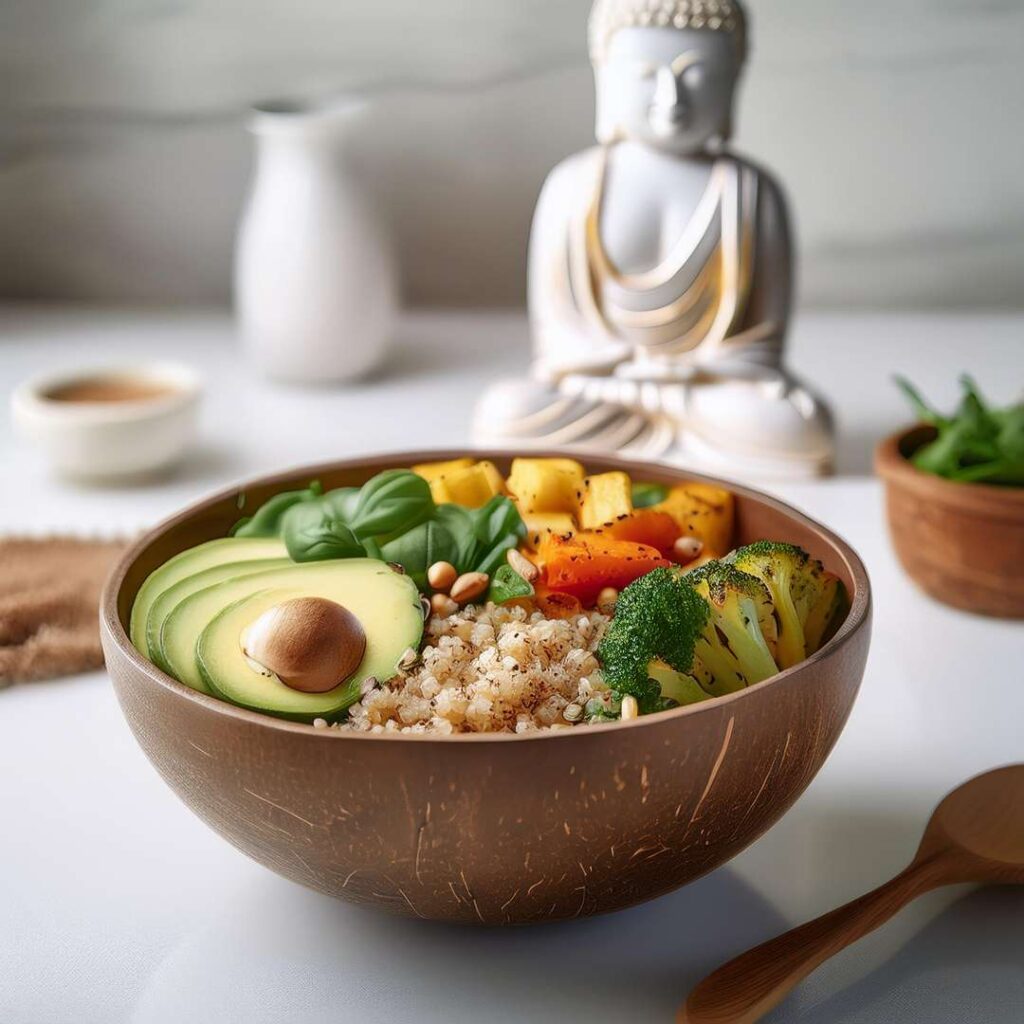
(979, 827)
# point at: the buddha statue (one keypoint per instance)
(660, 267)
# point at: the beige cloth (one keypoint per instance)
(49, 606)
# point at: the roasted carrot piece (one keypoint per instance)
(646, 526)
(583, 565)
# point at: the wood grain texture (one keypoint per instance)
(961, 543)
(975, 835)
(493, 829)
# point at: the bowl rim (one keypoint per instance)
(894, 467)
(857, 618)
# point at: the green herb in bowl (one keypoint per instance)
(978, 444)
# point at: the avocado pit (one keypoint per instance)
(311, 644)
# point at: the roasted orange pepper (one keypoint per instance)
(645, 526)
(584, 564)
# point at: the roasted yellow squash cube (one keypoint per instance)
(605, 498)
(703, 511)
(546, 485)
(471, 486)
(431, 471)
(540, 524)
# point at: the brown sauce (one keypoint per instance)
(110, 389)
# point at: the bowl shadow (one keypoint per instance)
(321, 960)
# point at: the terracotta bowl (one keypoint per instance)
(492, 829)
(961, 543)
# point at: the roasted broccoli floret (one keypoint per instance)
(657, 617)
(827, 612)
(806, 598)
(736, 647)
(682, 637)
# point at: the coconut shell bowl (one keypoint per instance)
(962, 543)
(484, 828)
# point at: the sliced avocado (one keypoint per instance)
(677, 686)
(187, 563)
(385, 603)
(174, 595)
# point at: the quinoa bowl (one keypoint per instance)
(486, 827)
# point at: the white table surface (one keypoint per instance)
(117, 905)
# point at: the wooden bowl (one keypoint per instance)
(492, 829)
(961, 543)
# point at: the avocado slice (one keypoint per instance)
(187, 563)
(386, 604)
(174, 595)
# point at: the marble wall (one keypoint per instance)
(123, 157)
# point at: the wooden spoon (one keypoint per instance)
(975, 835)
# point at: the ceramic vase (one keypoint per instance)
(315, 281)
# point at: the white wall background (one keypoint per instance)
(896, 125)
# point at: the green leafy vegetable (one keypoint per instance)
(419, 548)
(498, 527)
(391, 517)
(508, 585)
(646, 494)
(391, 503)
(978, 444)
(461, 525)
(266, 522)
(483, 535)
(323, 539)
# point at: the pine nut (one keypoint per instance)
(425, 608)
(443, 605)
(630, 708)
(468, 586)
(368, 685)
(607, 600)
(408, 659)
(686, 549)
(572, 712)
(441, 576)
(522, 565)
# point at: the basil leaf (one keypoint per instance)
(497, 519)
(341, 502)
(498, 527)
(323, 540)
(267, 521)
(508, 585)
(391, 503)
(495, 558)
(646, 494)
(461, 524)
(419, 548)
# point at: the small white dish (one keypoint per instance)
(112, 422)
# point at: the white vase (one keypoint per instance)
(315, 281)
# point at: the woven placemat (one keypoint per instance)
(49, 606)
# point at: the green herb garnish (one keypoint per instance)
(978, 444)
(507, 585)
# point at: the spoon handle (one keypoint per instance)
(746, 988)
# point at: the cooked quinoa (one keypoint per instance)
(491, 669)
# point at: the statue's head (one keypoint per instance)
(667, 70)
